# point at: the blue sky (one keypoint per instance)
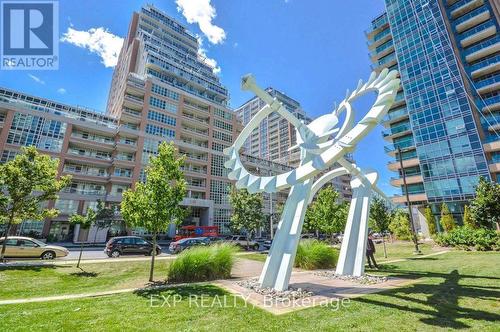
(311, 50)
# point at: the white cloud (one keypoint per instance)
(37, 79)
(97, 40)
(202, 12)
(61, 91)
(202, 55)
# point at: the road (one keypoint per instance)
(96, 253)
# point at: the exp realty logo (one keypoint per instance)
(29, 32)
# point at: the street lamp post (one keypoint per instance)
(413, 231)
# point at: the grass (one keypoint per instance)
(403, 249)
(47, 280)
(457, 290)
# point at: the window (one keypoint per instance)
(163, 118)
(26, 243)
(159, 131)
(164, 92)
(162, 104)
(223, 125)
(222, 136)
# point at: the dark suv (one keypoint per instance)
(129, 245)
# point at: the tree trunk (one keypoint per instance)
(95, 235)
(153, 255)
(385, 249)
(248, 242)
(7, 231)
(80, 256)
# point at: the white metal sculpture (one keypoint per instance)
(321, 145)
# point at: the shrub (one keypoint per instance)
(203, 263)
(314, 254)
(400, 225)
(468, 238)
(447, 220)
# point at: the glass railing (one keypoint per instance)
(89, 154)
(490, 138)
(407, 143)
(127, 142)
(92, 138)
(89, 172)
(396, 114)
(481, 45)
(84, 191)
(476, 29)
(484, 63)
(134, 98)
(470, 15)
(396, 129)
(486, 82)
(495, 158)
(491, 101)
(131, 112)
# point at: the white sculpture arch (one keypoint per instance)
(318, 152)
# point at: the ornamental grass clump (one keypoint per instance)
(203, 263)
(314, 254)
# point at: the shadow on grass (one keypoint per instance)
(184, 291)
(442, 299)
(85, 274)
(34, 267)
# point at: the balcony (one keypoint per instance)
(494, 167)
(92, 141)
(485, 67)
(128, 130)
(131, 115)
(104, 156)
(385, 62)
(196, 120)
(483, 49)
(378, 25)
(475, 17)
(488, 85)
(135, 85)
(491, 104)
(382, 51)
(397, 131)
(195, 107)
(194, 169)
(379, 39)
(397, 182)
(397, 199)
(475, 35)
(133, 102)
(464, 6)
(492, 146)
(395, 116)
(395, 165)
(83, 191)
(197, 131)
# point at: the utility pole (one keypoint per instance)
(414, 233)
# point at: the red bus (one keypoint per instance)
(196, 231)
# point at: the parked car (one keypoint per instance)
(241, 241)
(27, 247)
(267, 244)
(183, 244)
(129, 245)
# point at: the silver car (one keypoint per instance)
(26, 247)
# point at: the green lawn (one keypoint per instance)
(37, 281)
(456, 290)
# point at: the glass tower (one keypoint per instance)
(440, 120)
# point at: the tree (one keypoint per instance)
(400, 224)
(468, 221)
(154, 204)
(380, 218)
(485, 207)
(325, 214)
(431, 221)
(100, 218)
(247, 212)
(447, 218)
(28, 181)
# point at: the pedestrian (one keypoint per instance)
(370, 250)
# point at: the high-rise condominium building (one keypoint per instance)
(161, 91)
(446, 118)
